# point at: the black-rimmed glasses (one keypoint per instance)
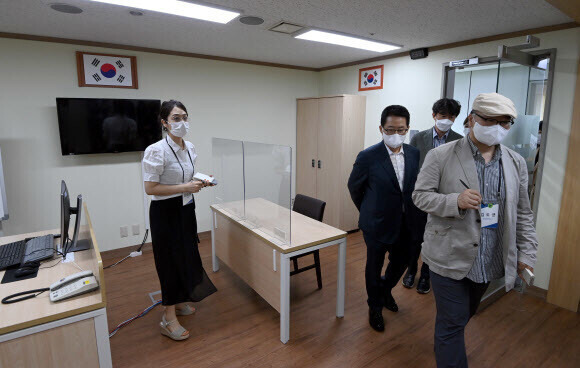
(391, 131)
(506, 124)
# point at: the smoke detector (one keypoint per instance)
(251, 20)
(66, 8)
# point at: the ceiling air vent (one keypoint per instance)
(287, 28)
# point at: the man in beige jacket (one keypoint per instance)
(480, 225)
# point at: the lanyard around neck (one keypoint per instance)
(177, 158)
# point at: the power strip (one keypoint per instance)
(136, 254)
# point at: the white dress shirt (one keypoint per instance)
(161, 166)
(398, 160)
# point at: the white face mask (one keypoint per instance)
(489, 135)
(394, 141)
(179, 129)
(443, 124)
(466, 131)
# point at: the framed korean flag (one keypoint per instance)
(105, 70)
(370, 78)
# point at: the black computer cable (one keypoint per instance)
(129, 255)
(59, 260)
(29, 295)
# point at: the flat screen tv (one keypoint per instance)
(97, 125)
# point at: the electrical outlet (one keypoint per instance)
(136, 229)
(124, 231)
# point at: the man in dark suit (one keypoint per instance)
(445, 112)
(381, 183)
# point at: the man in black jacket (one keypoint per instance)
(445, 111)
(381, 183)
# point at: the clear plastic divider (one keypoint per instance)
(254, 186)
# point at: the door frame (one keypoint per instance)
(447, 85)
(448, 82)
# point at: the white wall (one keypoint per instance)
(227, 100)
(416, 84)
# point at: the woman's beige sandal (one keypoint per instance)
(186, 310)
(176, 335)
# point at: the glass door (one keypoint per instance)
(468, 83)
(528, 86)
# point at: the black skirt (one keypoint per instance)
(177, 259)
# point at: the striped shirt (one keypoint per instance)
(488, 264)
(439, 141)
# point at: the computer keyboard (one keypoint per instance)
(11, 254)
(38, 249)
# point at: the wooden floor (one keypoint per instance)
(236, 328)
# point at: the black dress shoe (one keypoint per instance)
(424, 285)
(409, 280)
(376, 320)
(390, 303)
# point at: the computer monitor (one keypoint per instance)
(68, 244)
(64, 215)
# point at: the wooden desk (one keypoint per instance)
(70, 333)
(255, 256)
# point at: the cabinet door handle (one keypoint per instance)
(319, 164)
(313, 162)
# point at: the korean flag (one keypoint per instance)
(107, 70)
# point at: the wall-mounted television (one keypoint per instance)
(98, 125)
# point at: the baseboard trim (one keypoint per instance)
(122, 252)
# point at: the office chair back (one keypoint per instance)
(313, 208)
(308, 206)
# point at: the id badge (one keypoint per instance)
(187, 198)
(489, 215)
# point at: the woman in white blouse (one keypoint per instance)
(168, 167)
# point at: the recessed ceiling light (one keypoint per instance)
(136, 13)
(66, 8)
(344, 40)
(251, 21)
(180, 8)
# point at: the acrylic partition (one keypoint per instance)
(254, 186)
(228, 169)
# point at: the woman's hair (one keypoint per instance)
(166, 108)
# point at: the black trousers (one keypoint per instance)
(377, 288)
(456, 302)
(414, 260)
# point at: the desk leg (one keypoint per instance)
(102, 336)
(284, 298)
(341, 275)
(214, 258)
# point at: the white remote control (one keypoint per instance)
(202, 177)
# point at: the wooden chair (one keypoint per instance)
(313, 208)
